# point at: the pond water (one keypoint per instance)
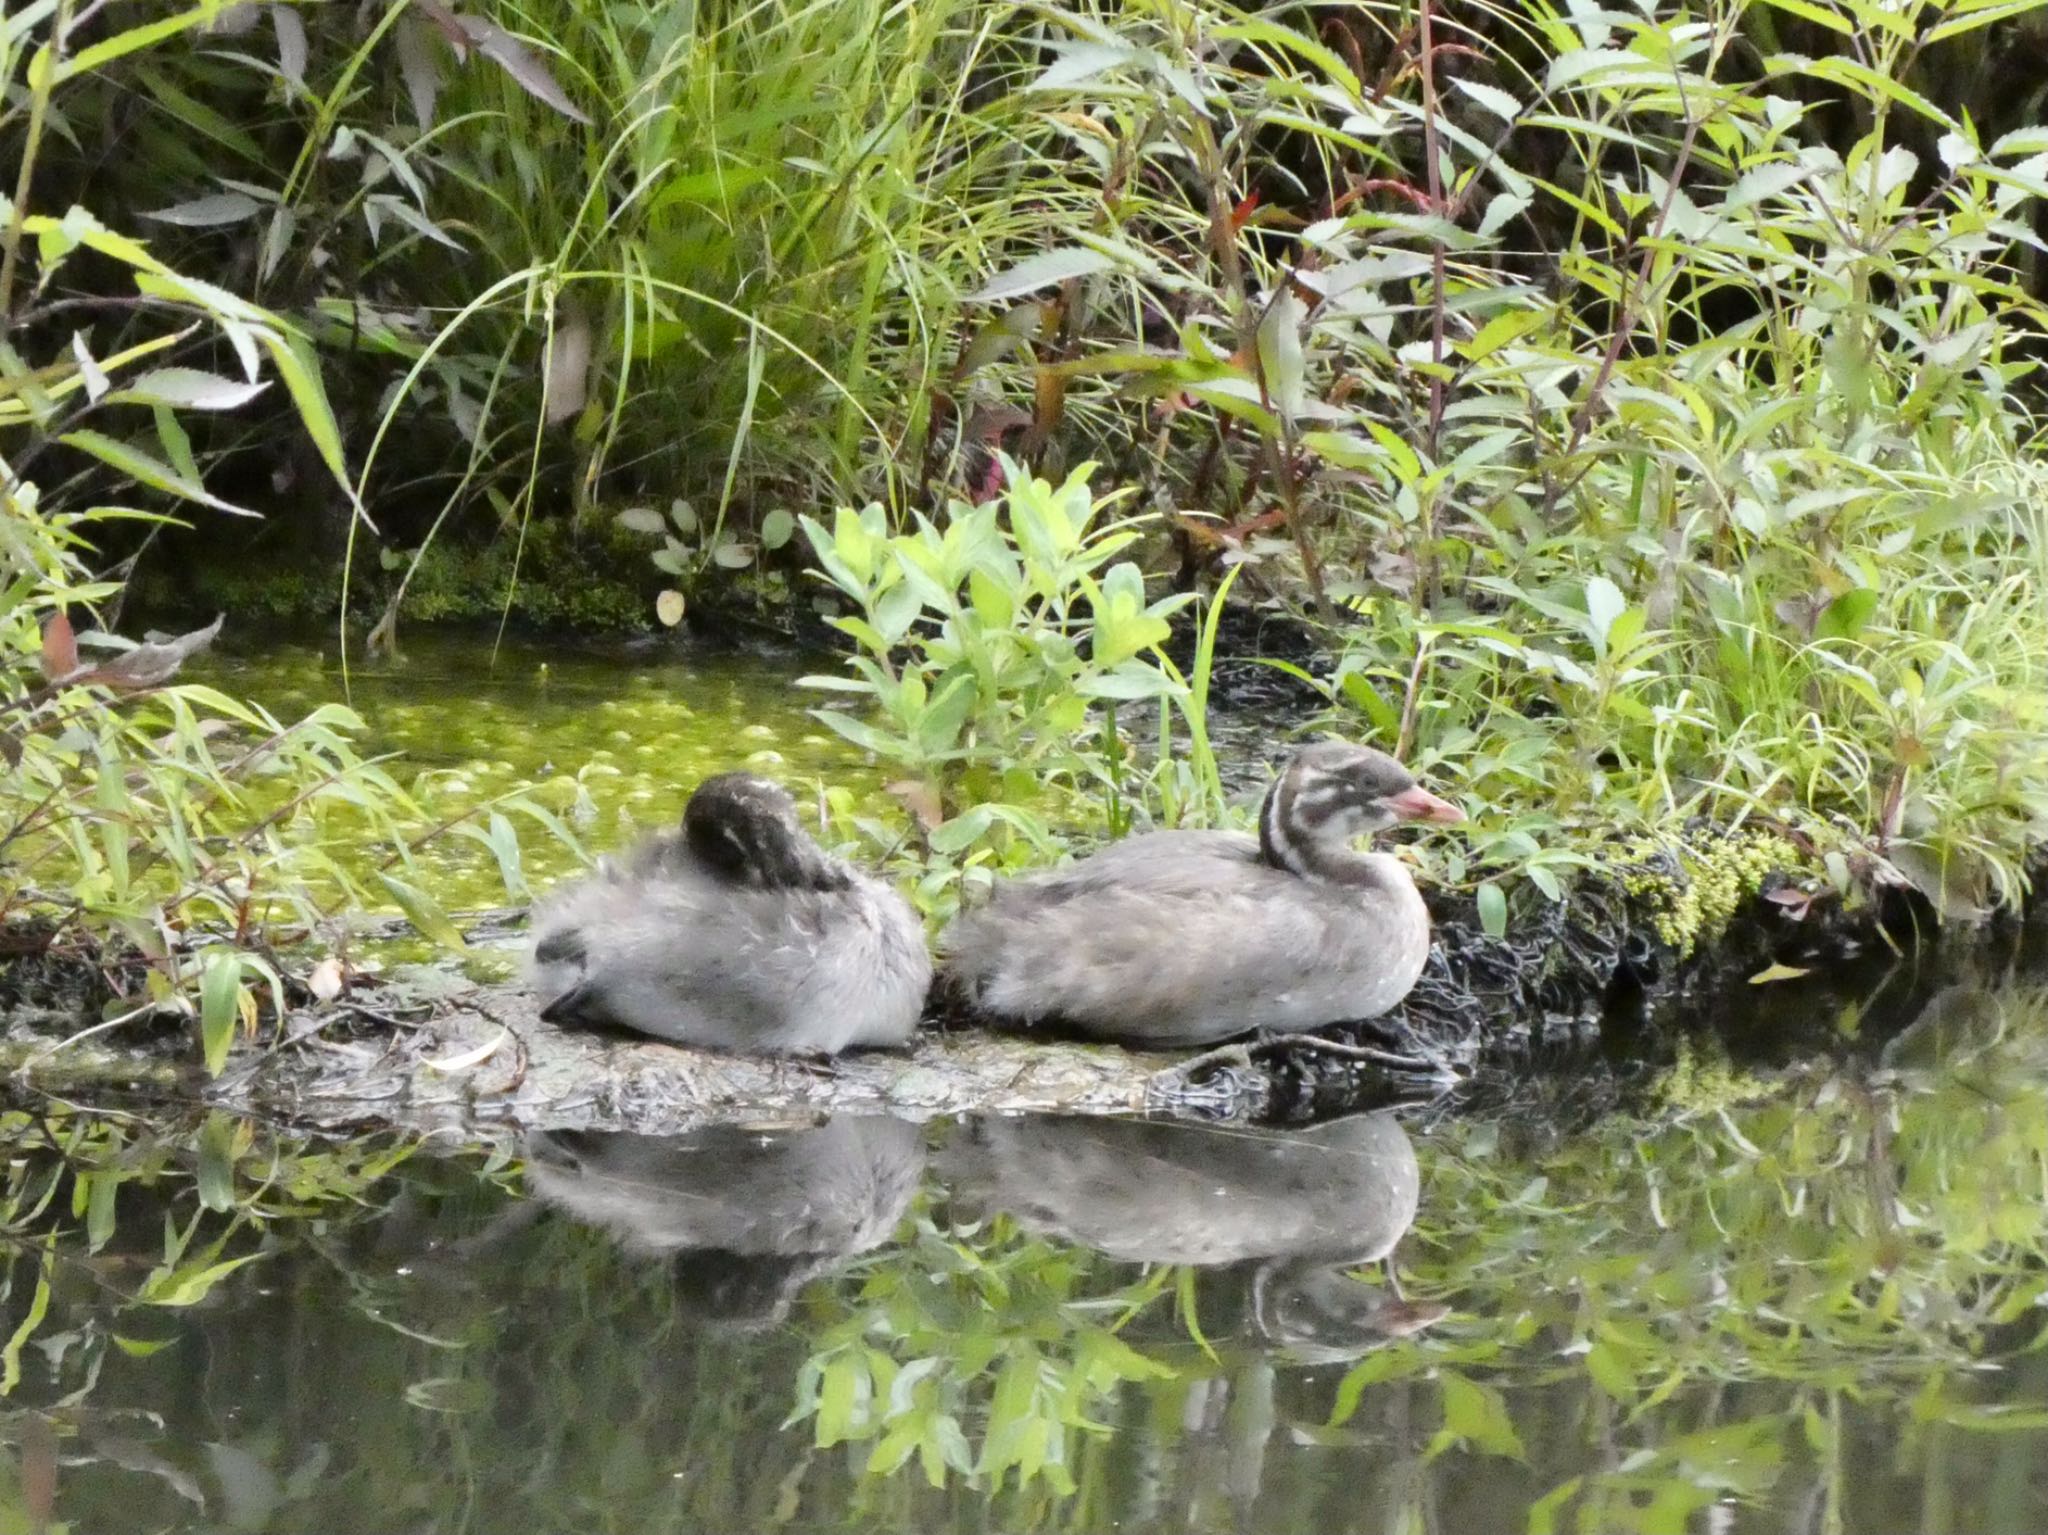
(1807, 1303)
(1809, 1299)
(612, 742)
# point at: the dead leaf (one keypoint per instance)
(470, 1058)
(989, 423)
(920, 799)
(1772, 973)
(38, 1448)
(1800, 613)
(568, 364)
(326, 980)
(1400, 1319)
(1796, 903)
(420, 66)
(1048, 401)
(10, 748)
(1394, 571)
(450, 26)
(527, 72)
(153, 664)
(60, 648)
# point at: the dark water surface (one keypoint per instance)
(1811, 1301)
(1809, 1304)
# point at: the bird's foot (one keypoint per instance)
(1270, 1043)
(1238, 1055)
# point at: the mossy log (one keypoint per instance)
(438, 1053)
(480, 1056)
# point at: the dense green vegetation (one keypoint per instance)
(1638, 406)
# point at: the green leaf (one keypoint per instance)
(187, 389)
(38, 1308)
(843, 1395)
(295, 363)
(121, 44)
(1495, 100)
(210, 211)
(1478, 1415)
(145, 469)
(1493, 910)
(192, 1284)
(141, 1348)
(424, 913)
(1281, 360)
(1604, 604)
(962, 831)
(1041, 271)
(1819, 15)
(1844, 618)
(220, 1005)
(216, 1172)
(776, 529)
(99, 1209)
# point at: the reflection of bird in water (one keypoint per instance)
(1301, 1207)
(745, 1215)
(1178, 939)
(734, 932)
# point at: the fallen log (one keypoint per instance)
(481, 1057)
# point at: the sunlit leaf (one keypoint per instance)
(1040, 271)
(424, 912)
(210, 211)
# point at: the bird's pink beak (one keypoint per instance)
(1418, 804)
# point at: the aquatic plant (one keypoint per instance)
(995, 645)
(157, 837)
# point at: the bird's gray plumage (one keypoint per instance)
(1296, 1210)
(737, 932)
(744, 1214)
(1184, 939)
(1153, 1191)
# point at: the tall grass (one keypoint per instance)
(734, 287)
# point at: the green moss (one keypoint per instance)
(566, 580)
(1704, 1079)
(1694, 885)
(597, 579)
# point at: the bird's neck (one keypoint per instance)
(1287, 845)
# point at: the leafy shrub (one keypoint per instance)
(1673, 460)
(159, 833)
(994, 647)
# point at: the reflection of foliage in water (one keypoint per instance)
(980, 1324)
(1786, 1299)
(1854, 1238)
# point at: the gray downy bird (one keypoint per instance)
(1185, 939)
(1294, 1211)
(734, 932)
(744, 1215)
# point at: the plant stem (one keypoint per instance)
(42, 72)
(1428, 576)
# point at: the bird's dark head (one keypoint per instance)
(1334, 791)
(745, 828)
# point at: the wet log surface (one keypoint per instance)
(481, 1057)
(1577, 998)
